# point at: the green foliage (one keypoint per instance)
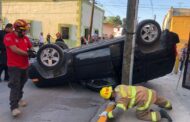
(115, 20)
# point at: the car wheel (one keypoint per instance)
(62, 45)
(148, 32)
(50, 56)
(96, 85)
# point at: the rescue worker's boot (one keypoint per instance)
(164, 114)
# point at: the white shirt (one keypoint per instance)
(41, 39)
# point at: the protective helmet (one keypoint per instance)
(106, 92)
(21, 24)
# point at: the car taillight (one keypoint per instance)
(35, 80)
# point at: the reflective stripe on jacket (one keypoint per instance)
(129, 96)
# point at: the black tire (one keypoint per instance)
(151, 31)
(96, 85)
(59, 54)
(62, 45)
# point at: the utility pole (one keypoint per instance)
(155, 17)
(91, 20)
(129, 43)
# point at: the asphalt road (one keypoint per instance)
(69, 103)
(74, 103)
(165, 86)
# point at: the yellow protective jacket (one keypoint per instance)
(130, 96)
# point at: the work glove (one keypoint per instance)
(111, 103)
(110, 106)
(104, 114)
(31, 53)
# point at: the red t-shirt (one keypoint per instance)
(13, 59)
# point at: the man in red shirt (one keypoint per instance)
(17, 46)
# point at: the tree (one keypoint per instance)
(115, 20)
(124, 22)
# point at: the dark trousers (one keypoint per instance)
(5, 68)
(41, 44)
(18, 78)
(181, 65)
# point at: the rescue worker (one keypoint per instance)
(126, 97)
(18, 50)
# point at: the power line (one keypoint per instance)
(109, 12)
(104, 4)
(152, 7)
(121, 6)
(144, 5)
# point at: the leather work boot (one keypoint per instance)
(164, 114)
(16, 112)
(22, 103)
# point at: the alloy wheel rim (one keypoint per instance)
(50, 57)
(149, 33)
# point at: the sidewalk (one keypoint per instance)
(165, 86)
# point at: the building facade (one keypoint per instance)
(69, 17)
(178, 21)
(118, 31)
(108, 30)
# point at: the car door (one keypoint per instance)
(95, 63)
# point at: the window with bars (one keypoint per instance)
(65, 32)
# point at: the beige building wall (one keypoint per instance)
(108, 30)
(54, 14)
(97, 20)
(177, 20)
(51, 14)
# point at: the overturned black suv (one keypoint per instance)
(100, 63)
